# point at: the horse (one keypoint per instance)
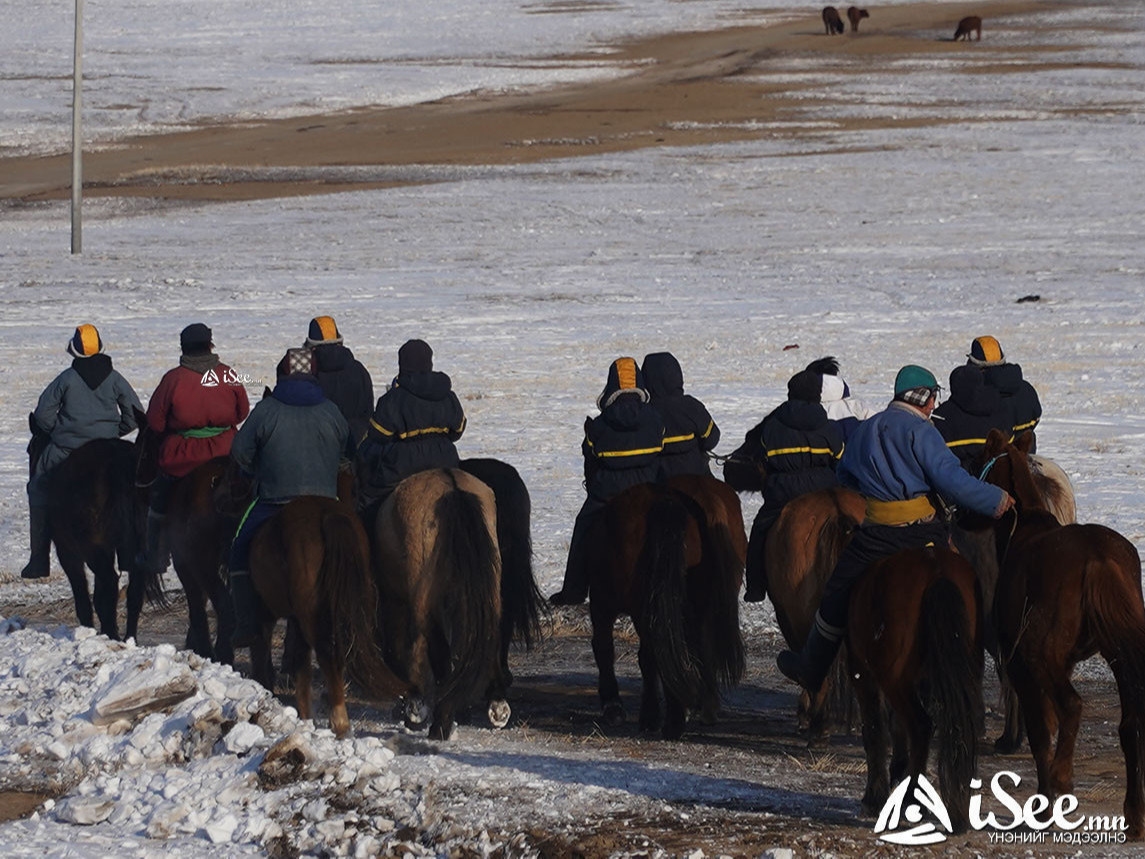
(95, 515)
(671, 557)
(914, 643)
(801, 550)
(437, 565)
(831, 20)
(969, 24)
(310, 563)
(199, 535)
(522, 604)
(1065, 593)
(855, 15)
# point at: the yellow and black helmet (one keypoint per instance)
(323, 330)
(85, 342)
(986, 352)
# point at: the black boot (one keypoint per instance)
(156, 553)
(574, 589)
(756, 572)
(809, 666)
(38, 566)
(245, 602)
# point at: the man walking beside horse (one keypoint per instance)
(893, 460)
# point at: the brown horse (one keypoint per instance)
(831, 20)
(95, 514)
(438, 569)
(1065, 593)
(199, 535)
(801, 550)
(915, 644)
(670, 557)
(969, 24)
(855, 15)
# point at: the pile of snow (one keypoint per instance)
(164, 745)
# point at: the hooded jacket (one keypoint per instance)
(196, 408)
(622, 445)
(1017, 393)
(800, 447)
(689, 431)
(973, 409)
(347, 384)
(293, 443)
(841, 407)
(89, 400)
(414, 427)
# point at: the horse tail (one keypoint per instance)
(467, 570)
(953, 680)
(350, 605)
(522, 604)
(665, 570)
(727, 648)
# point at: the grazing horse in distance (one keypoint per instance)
(969, 24)
(656, 558)
(522, 605)
(914, 644)
(1065, 593)
(855, 15)
(199, 535)
(437, 565)
(95, 514)
(801, 550)
(831, 20)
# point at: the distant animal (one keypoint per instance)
(437, 565)
(1065, 593)
(95, 513)
(668, 559)
(855, 15)
(310, 564)
(522, 604)
(969, 24)
(914, 648)
(802, 548)
(831, 20)
(199, 535)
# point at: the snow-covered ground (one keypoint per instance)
(882, 247)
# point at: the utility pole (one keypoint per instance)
(77, 136)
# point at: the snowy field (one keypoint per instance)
(882, 247)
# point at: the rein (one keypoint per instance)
(986, 468)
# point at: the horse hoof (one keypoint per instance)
(499, 713)
(613, 714)
(442, 732)
(1005, 746)
(413, 712)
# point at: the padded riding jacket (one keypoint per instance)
(799, 447)
(974, 408)
(622, 446)
(347, 384)
(689, 431)
(1018, 393)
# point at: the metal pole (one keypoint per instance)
(77, 136)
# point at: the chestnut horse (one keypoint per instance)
(855, 15)
(438, 569)
(969, 24)
(671, 557)
(914, 643)
(199, 535)
(831, 20)
(1065, 593)
(95, 514)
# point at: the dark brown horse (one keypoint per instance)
(915, 644)
(801, 550)
(438, 569)
(96, 516)
(670, 557)
(1065, 593)
(832, 23)
(971, 24)
(199, 535)
(310, 563)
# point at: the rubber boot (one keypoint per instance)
(38, 566)
(156, 553)
(574, 589)
(245, 602)
(809, 666)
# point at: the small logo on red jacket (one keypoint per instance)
(210, 379)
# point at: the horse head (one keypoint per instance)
(1007, 466)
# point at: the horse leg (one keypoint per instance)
(874, 744)
(106, 595)
(333, 671)
(74, 569)
(1039, 717)
(651, 691)
(1067, 705)
(1013, 731)
(135, 585)
(604, 652)
(261, 665)
(198, 625)
(224, 616)
(817, 718)
(1130, 732)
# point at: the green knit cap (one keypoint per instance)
(913, 376)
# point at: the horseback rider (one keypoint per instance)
(344, 380)
(893, 460)
(689, 431)
(621, 448)
(986, 354)
(413, 428)
(294, 443)
(967, 416)
(195, 410)
(835, 397)
(87, 401)
(798, 449)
